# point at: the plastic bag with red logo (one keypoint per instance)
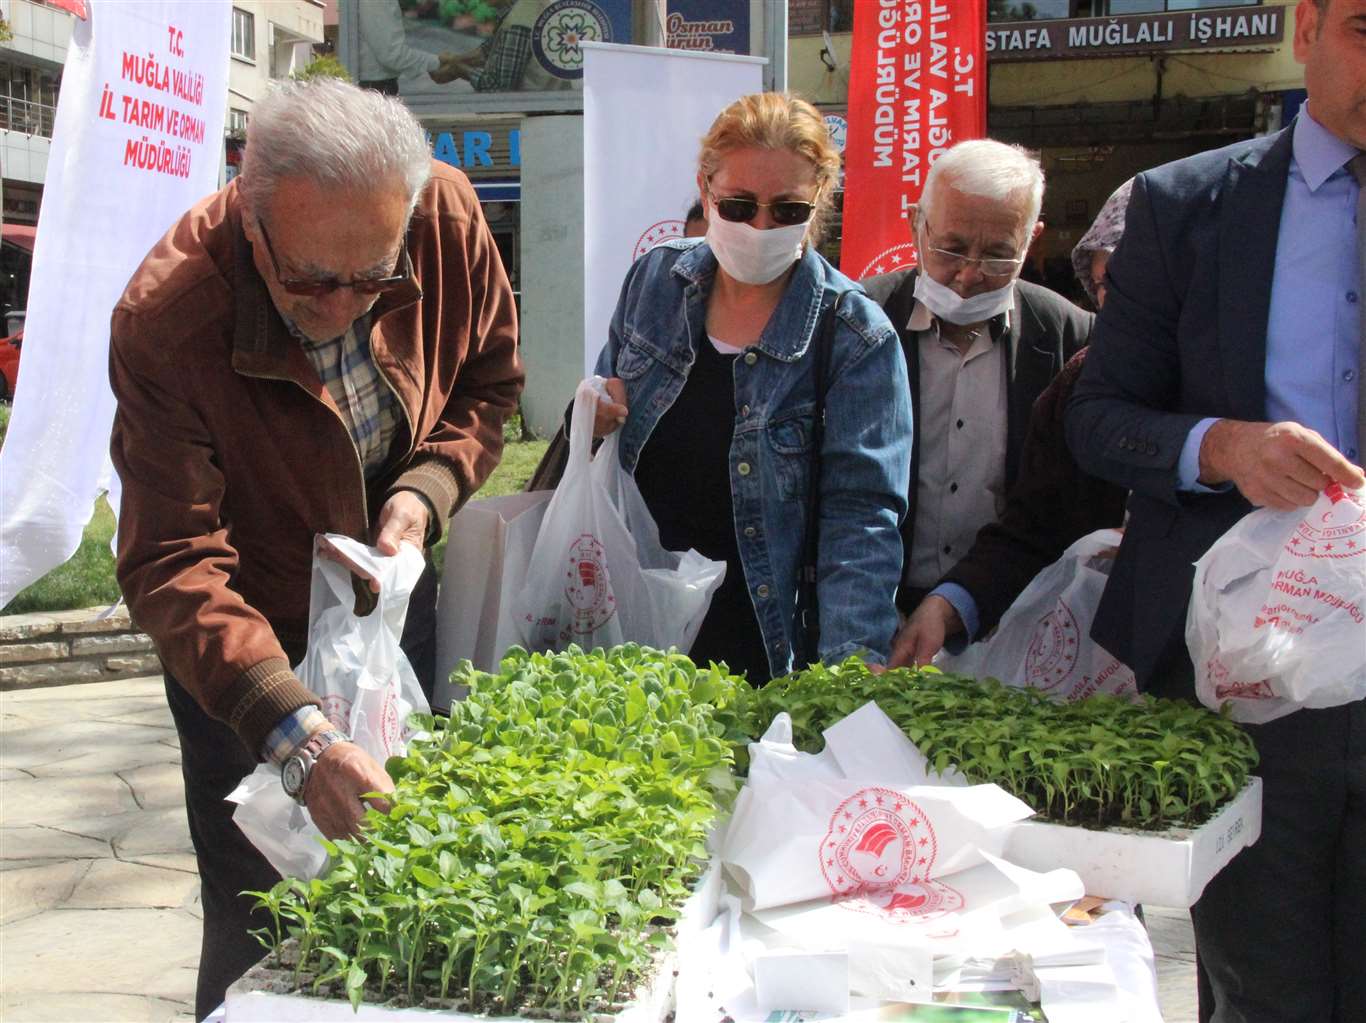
(1044, 639)
(599, 575)
(1276, 619)
(368, 689)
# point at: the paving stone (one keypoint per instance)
(17, 628)
(133, 664)
(116, 643)
(107, 1008)
(183, 862)
(58, 800)
(147, 832)
(114, 884)
(28, 653)
(34, 843)
(24, 893)
(158, 786)
(23, 676)
(89, 623)
(107, 746)
(120, 951)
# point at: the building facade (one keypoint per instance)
(1101, 89)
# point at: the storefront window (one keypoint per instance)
(1159, 6)
(1028, 10)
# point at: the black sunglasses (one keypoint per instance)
(785, 212)
(315, 288)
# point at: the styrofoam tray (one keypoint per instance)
(1158, 868)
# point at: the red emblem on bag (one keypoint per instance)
(337, 709)
(1340, 532)
(589, 589)
(1052, 652)
(1227, 689)
(877, 855)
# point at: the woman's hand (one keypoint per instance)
(610, 414)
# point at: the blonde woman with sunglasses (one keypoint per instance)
(716, 368)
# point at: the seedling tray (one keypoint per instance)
(1158, 868)
(264, 995)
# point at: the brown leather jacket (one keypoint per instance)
(232, 455)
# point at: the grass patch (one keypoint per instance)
(87, 580)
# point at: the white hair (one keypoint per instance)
(987, 168)
(334, 134)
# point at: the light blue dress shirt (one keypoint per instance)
(1313, 332)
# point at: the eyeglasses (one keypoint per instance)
(785, 212)
(990, 266)
(316, 288)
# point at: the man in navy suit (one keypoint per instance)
(1224, 376)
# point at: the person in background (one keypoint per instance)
(1052, 504)
(1226, 375)
(506, 61)
(980, 346)
(710, 361)
(326, 345)
(1092, 253)
(695, 223)
(385, 55)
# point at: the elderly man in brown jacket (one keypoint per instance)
(328, 344)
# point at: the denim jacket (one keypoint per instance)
(865, 458)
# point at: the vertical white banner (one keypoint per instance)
(138, 139)
(645, 111)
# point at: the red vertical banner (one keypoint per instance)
(917, 85)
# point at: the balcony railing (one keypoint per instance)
(27, 116)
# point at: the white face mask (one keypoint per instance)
(750, 255)
(947, 304)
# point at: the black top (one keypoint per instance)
(684, 475)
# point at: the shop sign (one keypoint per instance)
(720, 26)
(1216, 29)
(474, 149)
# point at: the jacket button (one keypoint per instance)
(751, 358)
(744, 410)
(751, 532)
(743, 468)
(761, 590)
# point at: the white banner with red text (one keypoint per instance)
(917, 85)
(645, 111)
(138, 138)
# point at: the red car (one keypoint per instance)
(9, 364)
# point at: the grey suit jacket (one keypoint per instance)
(1182, 336)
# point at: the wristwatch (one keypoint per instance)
(298, 765)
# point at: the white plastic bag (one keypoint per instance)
(1044, 639)
(1276, 613)
(366, 685)
(599, 575)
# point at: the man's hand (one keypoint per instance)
(451, 67)
(403, 518)
(610, 414)
(344, 772)
(1274, 465)
(924, 633)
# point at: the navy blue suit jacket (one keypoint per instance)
(1182, 336)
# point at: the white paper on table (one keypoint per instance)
(791, 842)
(869, 744)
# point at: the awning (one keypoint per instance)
(21, 235)
(498, 191)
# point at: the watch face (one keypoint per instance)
(292, 776)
